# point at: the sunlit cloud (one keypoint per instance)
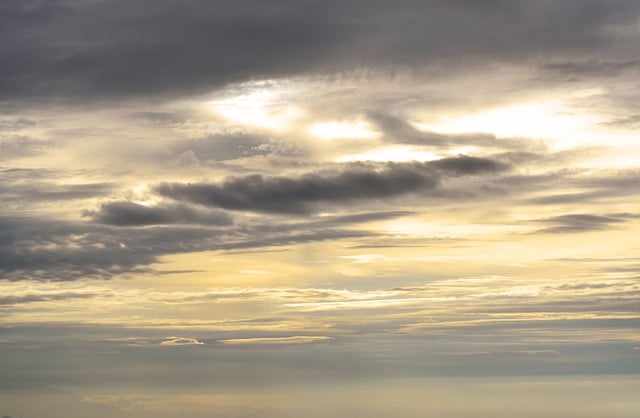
(181, 341)
(296, 339)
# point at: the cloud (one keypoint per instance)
(24, 186)
(162, 118)
(45, 248)
(116, 48)
(504, 353)
(297, 195)
(22, 299)
(17, 146)
(578, 186)
(398, 130)
(581, 222)
(56, 249)
(591, 69)
(47, 191)
(356, 218)
(464, 165)
(214, 152)
(631, 121)
(297, 339)
(124, 213)
(287, 237)
(253, 245)
(231, 146)
(181, 341)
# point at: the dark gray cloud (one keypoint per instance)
(16, 193)
(30, 298)
(115, 47)
(590, 69)
(231, 146)
(463, 165)
(59, 250)
(582, 222)
(298, 194)
(29, 187)
(49, 191)
(123, 213)
(568, 198)
(54, 249)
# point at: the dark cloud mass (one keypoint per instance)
(61, 250)
(104, 48)
(297, 194)
(125, 213)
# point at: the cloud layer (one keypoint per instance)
(113, 48)
(226, 207)
(295, 195)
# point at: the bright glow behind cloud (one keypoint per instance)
(263, 105)
(336, 130)
(547, 119)
(398, 153)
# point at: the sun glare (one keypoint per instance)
(548, 119)
(259, 107)
(142, 195)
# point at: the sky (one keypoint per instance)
(346, 208)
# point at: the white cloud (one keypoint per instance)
(296, 339)
(178, 341)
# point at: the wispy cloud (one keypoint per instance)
(296, 339)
